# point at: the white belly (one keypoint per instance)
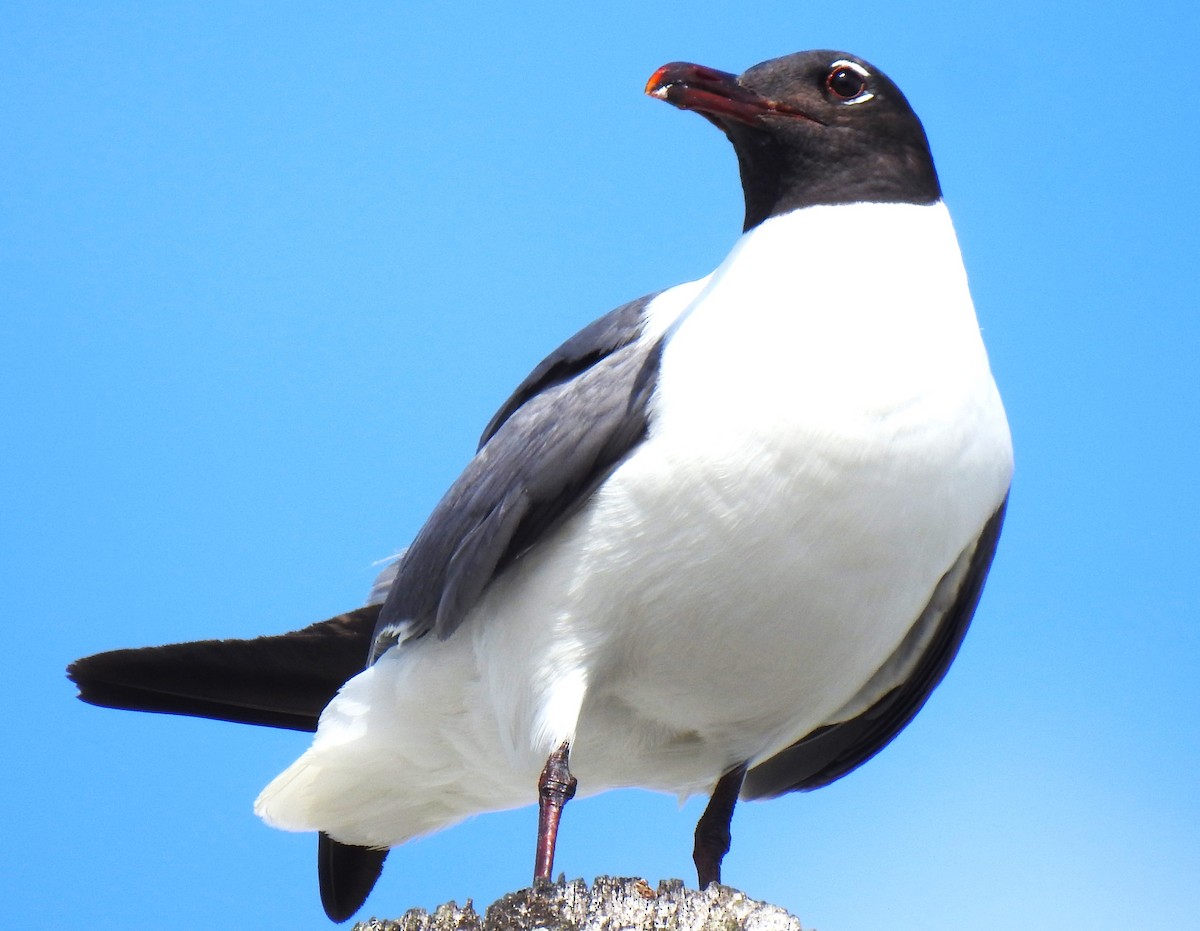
(812, 472)
(820, 454)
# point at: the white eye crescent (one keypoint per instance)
(848, 81)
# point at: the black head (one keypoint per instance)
(811, 128)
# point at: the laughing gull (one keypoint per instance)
(726, 539)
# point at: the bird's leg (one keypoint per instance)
(712, 830)
(556, 787)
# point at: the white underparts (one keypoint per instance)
(826, 441)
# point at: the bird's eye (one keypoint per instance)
(848, 82)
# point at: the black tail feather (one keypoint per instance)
(282, 681)
(347, 875)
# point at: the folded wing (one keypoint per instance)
(281, 681)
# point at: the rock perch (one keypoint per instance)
(611, 904)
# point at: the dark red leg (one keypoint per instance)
(556, 787)
(712, 830)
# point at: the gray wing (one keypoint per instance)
(576, 416)
(598, 339)
(919, 664)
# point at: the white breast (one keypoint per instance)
(826, 439)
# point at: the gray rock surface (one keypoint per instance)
(610, 904)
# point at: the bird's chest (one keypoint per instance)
(815, 462)
(783, 508)
(780, 406)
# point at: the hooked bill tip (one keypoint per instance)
(656, 86)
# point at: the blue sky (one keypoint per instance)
(267, 271)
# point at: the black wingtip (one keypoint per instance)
(347, 874)
(95, 677)
(279, 681)
(193, 679)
